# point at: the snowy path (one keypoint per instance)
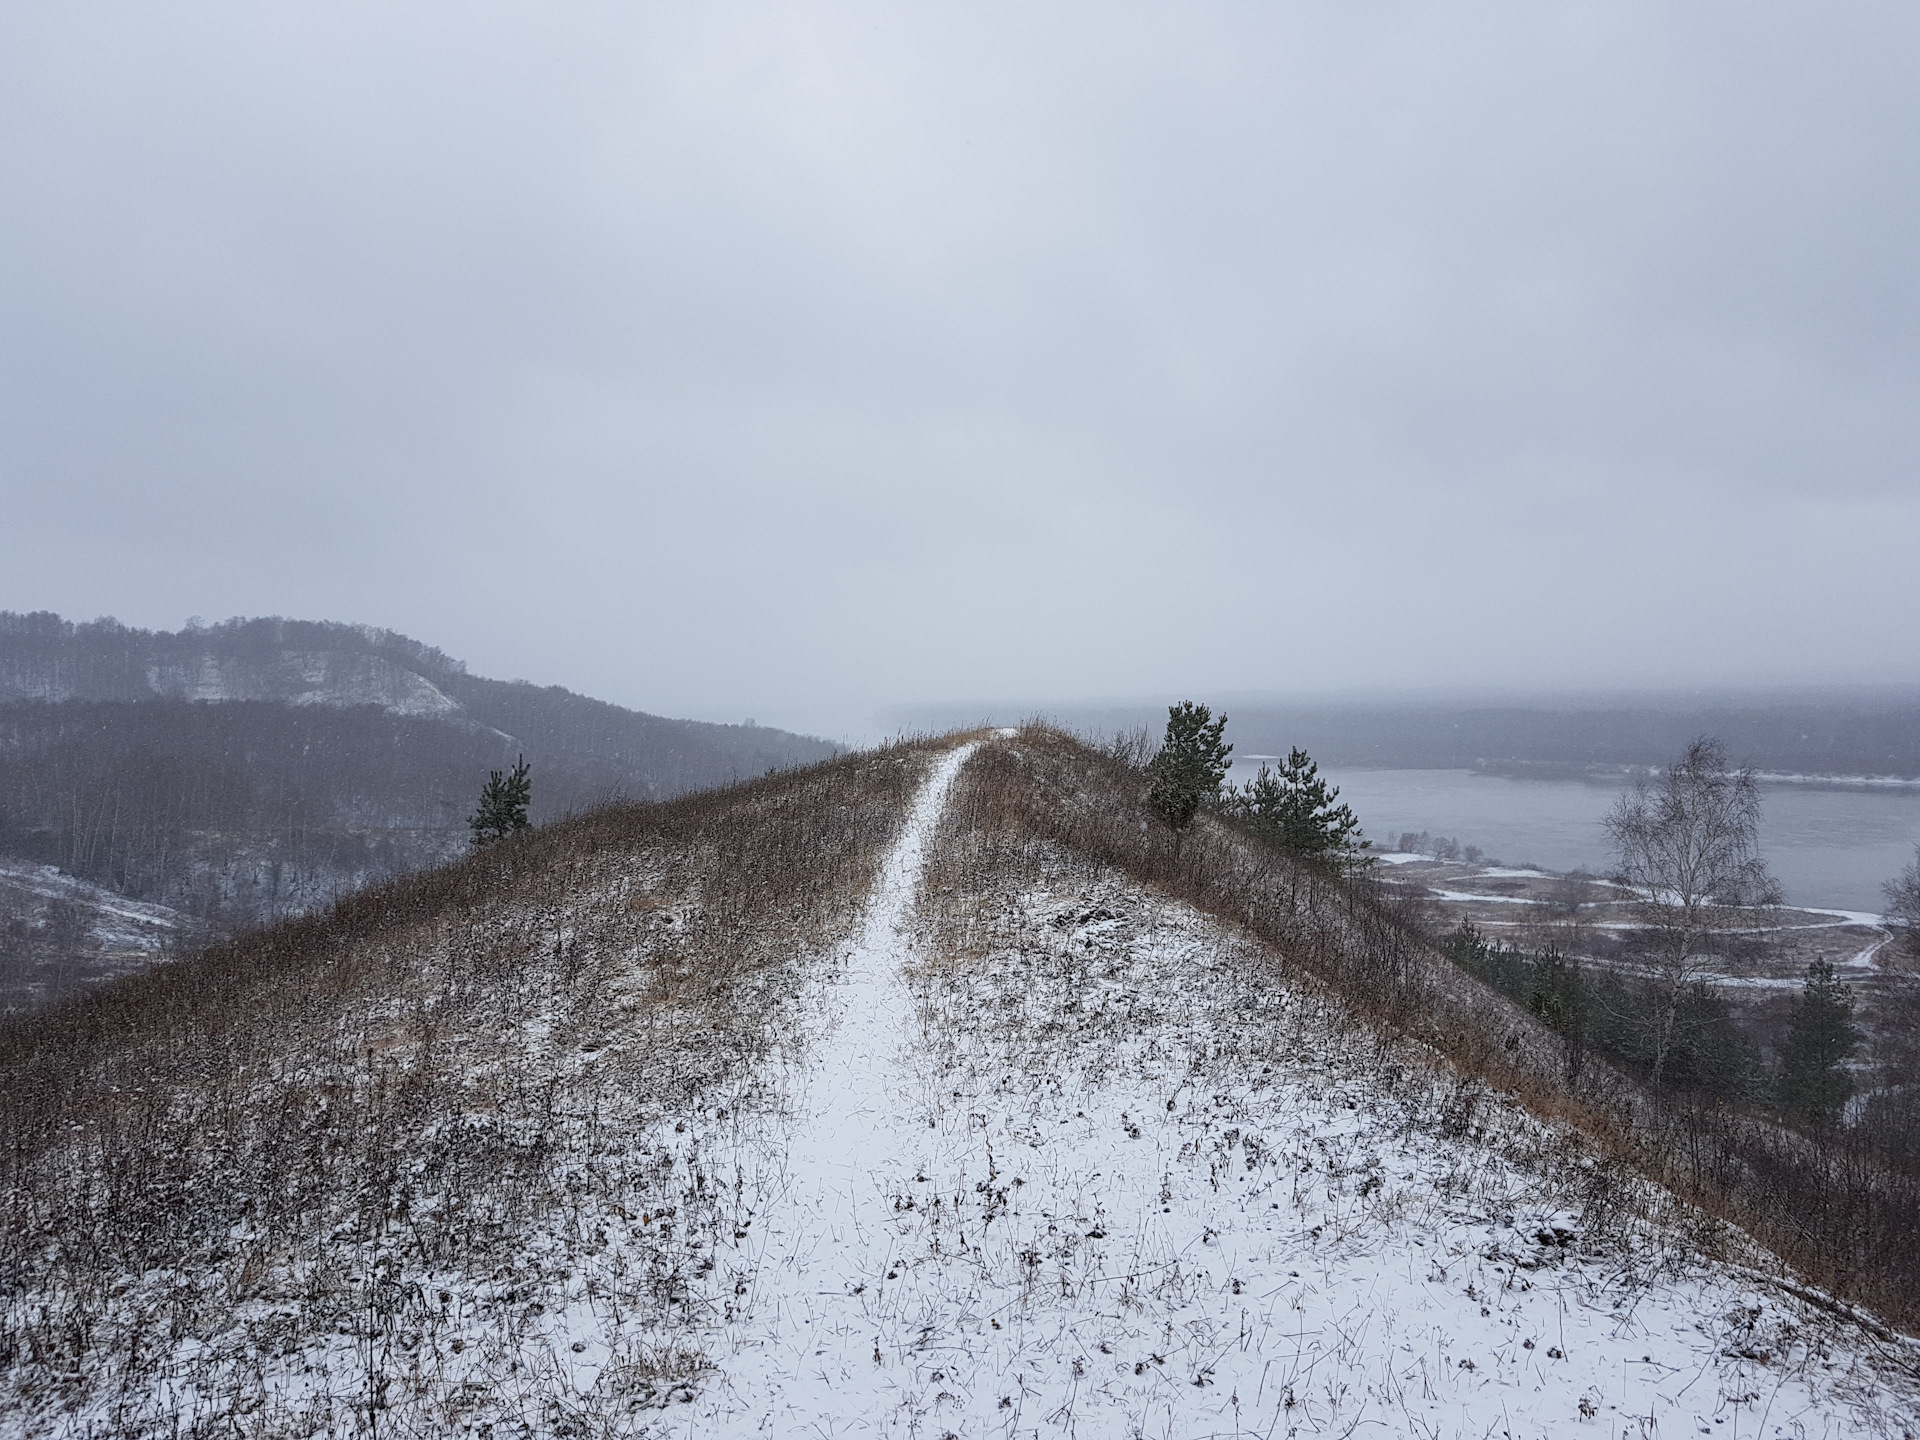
(814, 1273)
(1096, 1185)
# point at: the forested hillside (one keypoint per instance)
(256, 768)
(300, 662)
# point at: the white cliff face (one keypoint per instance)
(309, 678)
(336, 679)
(299, 677)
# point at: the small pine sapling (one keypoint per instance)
(503, 806)
(1187, 771)
(1295, 810)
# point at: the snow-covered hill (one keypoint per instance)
(807, 1114)
(250, 770)
(59, 934)
(47, 660)
(325, 677)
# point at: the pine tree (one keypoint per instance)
(1814, 1084)
(503, 806)
(1295, 810)
(1192, 762)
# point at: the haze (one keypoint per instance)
(799, 361)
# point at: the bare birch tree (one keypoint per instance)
(1688, 844)
(1903, 903)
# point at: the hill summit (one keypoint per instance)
(926, 1090)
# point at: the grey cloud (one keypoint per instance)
(777, 359)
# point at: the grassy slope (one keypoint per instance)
(503, 1143)
(1226, 1204)
(1839, 1216)
(385, 1141)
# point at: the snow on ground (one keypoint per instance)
(1475, 897)
(809, 1269)
(117, 922)
(1092, 1170)
(1109, 1179)
(1863, 958)
(1847, 917)
(60, 934)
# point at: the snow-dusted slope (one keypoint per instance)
(1106, 1179)
(59, 934)
(1045, 1155)
(430, 1164)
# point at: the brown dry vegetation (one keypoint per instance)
(287, 1124)
(395, 1133)
(1842, 1218)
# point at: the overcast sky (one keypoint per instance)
(800, 360)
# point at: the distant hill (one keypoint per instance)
(1841, 733)
(302, 662)
(255, 768)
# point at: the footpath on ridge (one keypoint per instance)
(1107, 1176)
(818, 1297)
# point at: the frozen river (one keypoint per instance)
(1828, 847)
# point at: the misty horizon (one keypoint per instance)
(1101, 715)
(831, 362)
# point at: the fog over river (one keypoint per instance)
(1829, 847)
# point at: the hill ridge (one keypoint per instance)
(524, 1142)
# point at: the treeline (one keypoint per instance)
(1870, 736)
(254, 768)
(239, 811)
(1711, 1057)
(44, 657)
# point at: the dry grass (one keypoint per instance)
(1844, 1220)
(378, 1161)
(297, 1126)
